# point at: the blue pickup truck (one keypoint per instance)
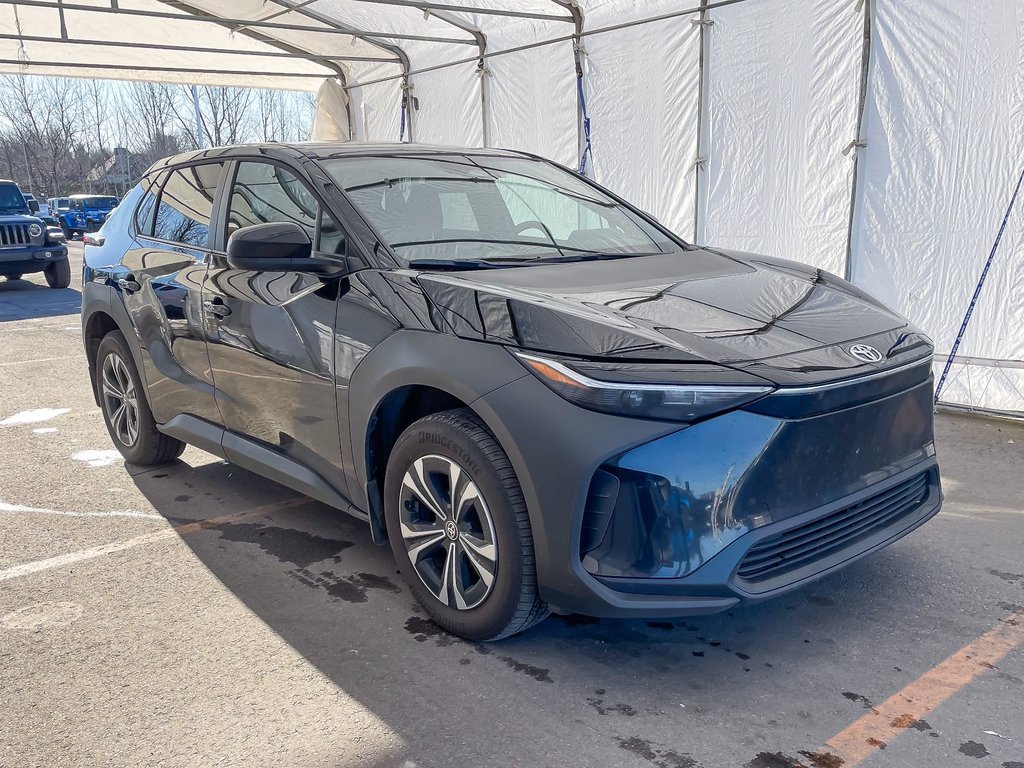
(27, 244)
(78, 214)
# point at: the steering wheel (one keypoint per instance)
(524, 226)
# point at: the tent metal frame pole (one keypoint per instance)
(64, 65)
(367, 36)
(392, 48)
(700, 162)
(427, 6)
(577, 56)
(860, 143)
(338, 69)
(481, 68)
(560, 39)
(281, 54)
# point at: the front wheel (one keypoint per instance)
(459, 529)
(125, 409)
(58, 273)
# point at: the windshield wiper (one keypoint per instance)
(466, 263)
(590, 257)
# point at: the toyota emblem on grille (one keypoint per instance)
(866, 353)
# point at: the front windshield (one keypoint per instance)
(11, 198)
(479, 208)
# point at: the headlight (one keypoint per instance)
(34, 230)
(671, 402)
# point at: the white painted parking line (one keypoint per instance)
(60, 561)
(39, 360)
(18, 508)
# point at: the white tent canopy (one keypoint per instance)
(879, 139)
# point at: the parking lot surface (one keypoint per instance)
(196, 614)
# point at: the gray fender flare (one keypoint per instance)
(464, 369)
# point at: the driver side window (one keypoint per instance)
(264, 193)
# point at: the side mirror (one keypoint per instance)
(278, 246)
(33, 206)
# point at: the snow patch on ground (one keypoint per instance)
(97, 458)
(33, 416)
(45, 430)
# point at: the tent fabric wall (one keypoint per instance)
(540, 83)
(642, 85)
(945, 143)
(783, 82)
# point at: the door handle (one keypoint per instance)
(217, 308)
(129, 284)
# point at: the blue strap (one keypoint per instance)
(587, 149)
(977, 290)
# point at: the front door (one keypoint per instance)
(271, 334)
(161, 279)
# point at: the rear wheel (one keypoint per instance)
(459, 529)
(58, 273)
(125, 410)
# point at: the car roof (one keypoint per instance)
(326, 149)
(86, 194)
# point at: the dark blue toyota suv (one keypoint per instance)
(538, 396)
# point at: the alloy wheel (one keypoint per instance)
(120, 400)
(448, 532)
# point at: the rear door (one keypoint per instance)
(161, 278)
(271, 333)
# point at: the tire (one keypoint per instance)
(14, 276)
(491, 512)
(58, 273)
(66, 230)
(118, 381)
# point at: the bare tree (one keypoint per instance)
(58, 135)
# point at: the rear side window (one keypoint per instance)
(143, 214)
(186, 205)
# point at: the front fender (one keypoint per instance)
(464, 369)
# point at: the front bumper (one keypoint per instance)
(741, 507)
(31, 259)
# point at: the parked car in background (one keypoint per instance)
(26, 244)
(83, 213)
(40, 209)
(58, 205)
(538, 395)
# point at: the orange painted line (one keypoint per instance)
(877, 728)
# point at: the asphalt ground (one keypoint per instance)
(196, 614)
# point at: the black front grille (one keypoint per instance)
(14, 234)
(798, 547)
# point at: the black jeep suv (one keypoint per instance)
(26, 244)
(540, 397)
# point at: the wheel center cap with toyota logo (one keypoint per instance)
(866, 353)
(451, 530)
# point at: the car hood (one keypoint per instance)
(18, 218)
(781, 320)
